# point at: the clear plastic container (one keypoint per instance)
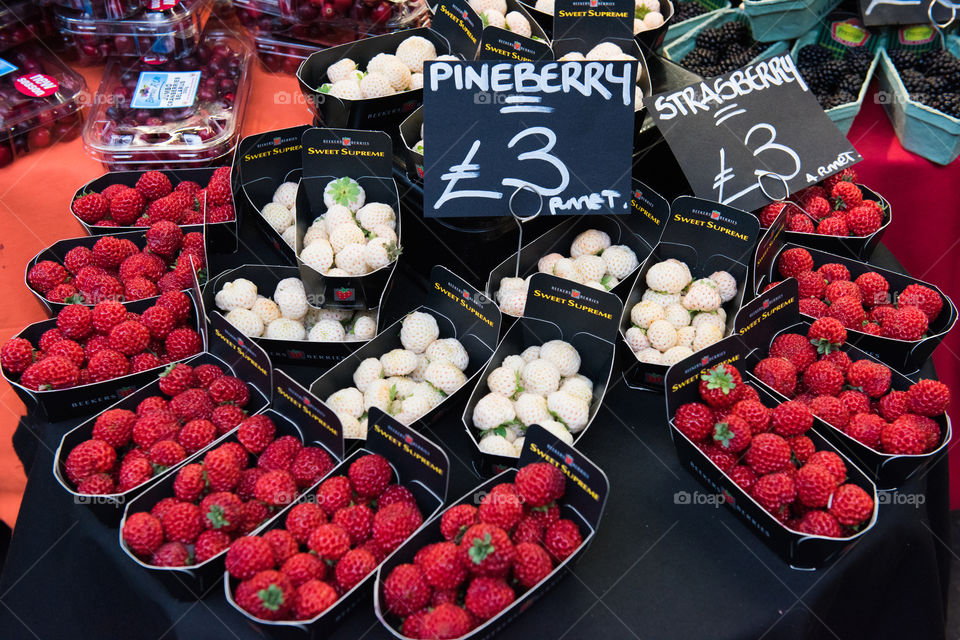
(23, 21)
(261, 16)
(172, 32)
(282, 55)
(185, 112)
(39, 101)
(340, 21)
(110, 9)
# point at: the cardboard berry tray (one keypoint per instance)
(677, 50)
(857, 247)
(676, 29)
(640, 230)
(800, 551)
(904, 356)
(417, 463)
(55, 405)
(777, 311)
(228, 350)
(774, 20)
(651, 38)
(556, 309)
(583, 502)
(410, 135)
(708, 237)
(221, 237)
(295, 412)
(319, 355)
(461, 311)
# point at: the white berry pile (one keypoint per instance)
(609, 51)
(386, 73)
(494, 13)
(353, 237)
(288, 316)
(539, 386)
(678, 315)
(281, 212)
(646, 14)
(593, 262)
(407, 382)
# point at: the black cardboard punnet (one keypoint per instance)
(262, 163)
(777, 311)
(417, 463)
(295, 412)
(708, 237)
(461, 311)
(583, 502)
(226, 348)
(410, 135)
(556, 309)
(904, 356)
(651, 38)
(318, 355)
(799, 550)
(63, 404)
(367, 157)
(220, 236)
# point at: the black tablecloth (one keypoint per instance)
(657, 568)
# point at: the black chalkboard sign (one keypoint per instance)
(562, 130)
(758, 123)
(880, 12)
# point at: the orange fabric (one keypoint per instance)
(35, 193)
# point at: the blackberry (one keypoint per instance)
(812, 55)
(686, 10)
(950, 104)
(851, 82)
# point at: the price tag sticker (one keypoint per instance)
(752, 132)
(559, 133)
(165, 89)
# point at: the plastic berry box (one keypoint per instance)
(340, 21)
(159, 113)
(111, 9)
(171, 32)
(39, 101)
(22, 21)
(281, 55)
(261, 16)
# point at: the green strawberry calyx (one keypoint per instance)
(480, 549)
(271, 597)
(719, 378)
(344, 191)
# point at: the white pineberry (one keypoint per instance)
(531, 408)
(418, 330)
(620, 260)
(289, 236)
(661, 335)
(351, 259)
(353, 429)
(376, 85)
(668, 277)
(605, 51)
(541, 376)
(673, 355)
(378, 253)
(266, 309)
(653, 20)
(513, 302)
(380, 61)
(511, 283)
(594, 284)
(366, 372)
(574, 412)
(518, 443)
(238, 294)
(318, 255)
(422, 363)
(342, 70)
(429, 392)
(379, 394)
(590, 242)
(336, 216)
(685, 336)
(344, 234)
(291, 298)
(482, 5)
(702, 296)
(364, 328)
(566, 268)
(448, 350)
(316, 231)
(346, 192)
(662, 299)
(340, 315)
(493, 18)
(563, 355)
(530, 353)
(726, 285)
(578, 388)
(444, 376)
(547, 7)
(609, 281)
(518, 24)
(277, 216)
(348, 89)
(491, 411)
(676, 315)
(396, 72)
(383, 231)
(412, 409)
(285, 329)
(590, 267)
(558, 430)
(348, 400)
(650, 356)
(548, 262)
(286, 194)
(246, 321)
(643, 314)
(504, 381)
(636, 339)
(416, 82)
(374, 213)
(707, 334)
(497, 446)
(414, 51)
(514, 362)
(402, 385)
(708, 318)
(327, 331)
(572, 56)
(398, 362)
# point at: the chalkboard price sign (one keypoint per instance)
(749, 131)
(558, 130)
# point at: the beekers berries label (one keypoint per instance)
(36, 85)
(165, 89)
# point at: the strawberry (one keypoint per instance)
(283, 544)
(63, 293)
(75, 322)
(53, 372)
(694, 420)
(334, 494)
(846, 195)
(313, 598)
(153, 185)
(110, 251)
(864, 220)
(370, 475)
(248, 480)
(743, 476)
(268, 595)
(872, 377)
(929, 428)
(329, 541)
(190, 482)
(88, 458)
(732, 434)
(254, 514)
(77, 258)
(219, 192)
(813, 307)
(90, 207)
(833, 226)
(831, 461)
(139, 289)
(222, 469)
(129, 337)
(561, 539)
(820, 523)
(162, 506)
(929, 397)
(302, 567)
(774, 492)
(16, 355)
(922, 297)
(903, 437)
(874, 288)
(801, 448)
(229, 389)
(823, 379)
(795, 348)
(221, 511)
(396, 493)
(142, 533)
(192, 404)
(143, 265)
(67, 349)
(134, 472)
(906, 323)
(248, 556)
(310, 465)
(357, 520)
(778, 374)
(817, 206)
(176, 378)
(115, 427)
(126, 205)
(182, 522)
(165, 453)
(768, 453)
(394, 524)
(723, 459)
(280, 454)
(164, 238)
(721, 386)
(159, 321)
(754, 413)
(207, 373)
(106, 315)
(800, 223)
(866, 428)
(210, 543)
(256, 433)
(354, 566)
(794, 261)
(441, 565)
(539, 484)
(45, 275)
(445, 621)
(456, 520)
(150, 404)
(406, 590)
(486, 550)
(840, 288)
(502, 507)
(188, 187)
(872, 328)
(815, 485)
(831, 410)
(851, 505)
(486, 597)
(276, 488)
(893, 405)
(811, 283)
(226, 417)
(182, 343)
(791, 418)
(847, 310)
(104, 287)
(177, 302)
(846, 175)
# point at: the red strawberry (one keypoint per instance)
(795, 348)
(153, 185)
(268, 595)
(276, 488)
(256, 433)
(222, 511)
(176, 379)
(329, 541)
(16, 355)
(164, 238)
(539, 484)
(370, 475)
(313, 598)
(182, 522)
(126, 205)
(486, 550)
(75, 322)
(502, 507)
(743, 476)
(115, 427)
(486, 597)
(62, 293)
(815, 485)
(159, 321)
(226, 417)
(768, 453)
(207, 373)
(694, 420)
(394, 524)
(833, 226)
(754, 413)
(310, 465)
(831, 461)
(732, 434)
(280, 454)
(334, 494)
(248, 480)
(104, 287)
(357, 520)
(813, 307)
(823, 379)
(229, 389)
(820, 523)
(864, 220)
(192, 404)
(188, 187)
(774, 492)
(723, 459)
(906, 323)
(142, 533)
(129, 337)
(778, 374)
(441, 565)
(405, 591)
(254, 514)
(791, 418)
(45, 275)
(769, 213)
(77, 258)
(893, 405)
(53, 372)
(110, 251)
(721, 386)
(182, 343)
(90, 207)
(929, 428)
(88, 458)
(354, 566)
(841, 288)
(904, 437)
(222, 469)
(209, 544)
(846, 195)
(302, 567)
(142, 265)
(178, 302)
(872, 377)
(874, 288)
(67, 349)
(134, 472)
(561, 539)
(811, 283)
(929, 397)
(866, 428)
(801, 448)
(847, 310)
(794, 261)
(248, 556)
(851, 505)
(219, 192)
(831, 410)
(165, 453)
(302, 519)
(924, 298)
(283, 544)
(190, 482)
(456, 520)
(800, 223)
(106, 315)
(445, 621)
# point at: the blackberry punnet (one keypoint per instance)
(834, 81)
(686, 10)
(931, 78)
(722, 49)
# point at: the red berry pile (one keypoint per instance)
(489, 555)
(329, 546)
(767, 454)
(224, 497)
(854, 396)
(155, 199)
(835, 207)
(863, 304)
(127, 448)
(117, 269)
(102, 343)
